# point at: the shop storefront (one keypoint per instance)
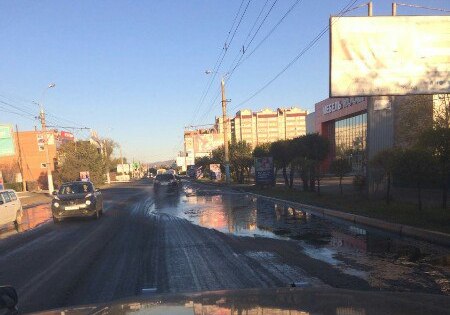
(343, 121)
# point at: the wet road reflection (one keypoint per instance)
(364, 252)
(31, 218)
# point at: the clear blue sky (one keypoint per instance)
(134, 70)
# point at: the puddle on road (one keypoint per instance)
(382, 258)
(32, 218)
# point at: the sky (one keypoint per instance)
(134, 71)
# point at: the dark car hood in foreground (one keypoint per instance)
(294, 301)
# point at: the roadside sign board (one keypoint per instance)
(191, 171)
(215, 171)
(84, 176)
(2, 186)
(264, 174)
(199, 172)
(6, 141)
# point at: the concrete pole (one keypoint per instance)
(394, 9)
(225, 133)
(369, 8)
(46, 138)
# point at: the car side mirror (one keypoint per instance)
(54, 193)
(8, 299)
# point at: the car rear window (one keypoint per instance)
(165, 177)
(12, 195)
(6, 196)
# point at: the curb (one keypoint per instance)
(32, 205)
(403, 230)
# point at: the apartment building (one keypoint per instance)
(268, 125)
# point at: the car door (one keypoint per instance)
(15, 204)
(3, 210)
(7, 207)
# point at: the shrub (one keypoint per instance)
(14, 186)
(359, 182)
(32, 186)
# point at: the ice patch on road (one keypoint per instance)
(285, 273)
(327, 255)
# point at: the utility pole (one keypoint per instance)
(46, 138)
(121, 159)
(24, 184)
(108, 179)
(225, 133)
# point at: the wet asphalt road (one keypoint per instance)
(208, 240)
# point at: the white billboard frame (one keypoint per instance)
(387, 83)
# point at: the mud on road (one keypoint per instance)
(171, 243)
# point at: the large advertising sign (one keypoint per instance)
(389, 55)
(264, 171)
(202, 143)
(6, 141)
(124, 168)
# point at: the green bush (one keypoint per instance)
(14, 186)
(32, 186)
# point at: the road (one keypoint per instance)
(209, 239)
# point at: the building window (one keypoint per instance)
(43, 165)
(350, 139)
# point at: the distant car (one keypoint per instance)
(77, 199)
(165, 181)
(10, 207)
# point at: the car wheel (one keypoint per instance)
(18, 217)
(56, 220)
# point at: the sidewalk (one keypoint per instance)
(32, 199)
(399, 228)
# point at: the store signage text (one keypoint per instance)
(343, 103)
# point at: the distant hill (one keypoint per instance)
(158, 163)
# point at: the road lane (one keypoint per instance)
(148, 241)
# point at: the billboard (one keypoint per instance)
(389, 55)
(84, 176)
(264, 171)
(6, 141)
(124, 168)
(202, 143)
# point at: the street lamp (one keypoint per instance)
(224, 127)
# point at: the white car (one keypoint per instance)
(10, 207)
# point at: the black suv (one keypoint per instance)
(77, 199)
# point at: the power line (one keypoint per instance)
(31, 109)
(227, 45)
(267, 36)
(216, 65)
(17, 113)
(239, 62)
(17, 108)
(244, 49)
(302, 52)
